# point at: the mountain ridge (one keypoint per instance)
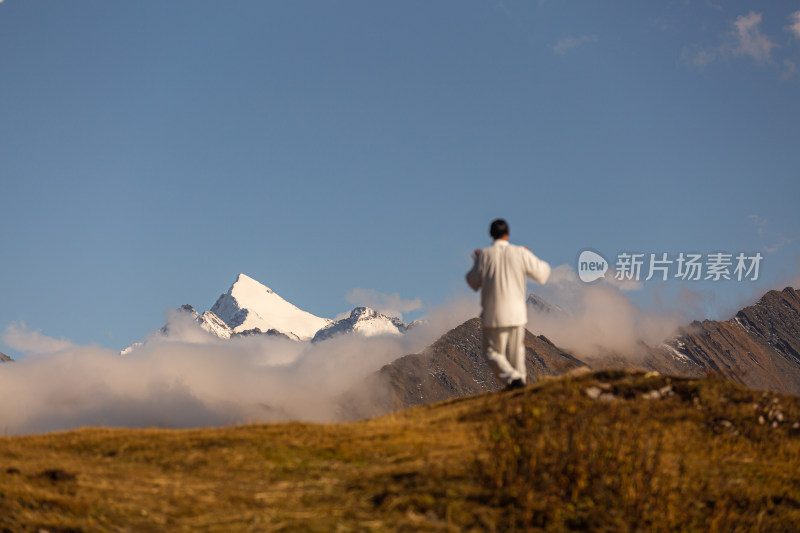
(759, 347)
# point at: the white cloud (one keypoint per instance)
(568, 43)
(600, 319)
(794, 27)
(745, 39)
(751, 41)
(388, 304)
(19, 337)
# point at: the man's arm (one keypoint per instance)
(474, 277)
(535, 268)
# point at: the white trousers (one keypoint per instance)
(504, 349)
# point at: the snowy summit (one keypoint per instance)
(248, 305)
(365, 322)
(251, 308)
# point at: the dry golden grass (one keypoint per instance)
(548, 457)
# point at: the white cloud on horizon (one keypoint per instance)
(19, 337)
(188, 378)
(388, 304)
(569, 43)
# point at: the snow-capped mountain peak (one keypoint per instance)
(541, 305)
(363, 321)
(249, 305)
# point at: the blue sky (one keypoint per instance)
(151, 151)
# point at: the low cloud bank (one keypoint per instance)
(188, 378)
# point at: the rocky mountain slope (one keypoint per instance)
(451, 367)
(759, 347)
(208, 321)
(4, 358)
(541, 305)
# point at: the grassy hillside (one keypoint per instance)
(607, 451)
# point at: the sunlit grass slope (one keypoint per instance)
(605, 451)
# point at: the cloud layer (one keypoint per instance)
(189, 378)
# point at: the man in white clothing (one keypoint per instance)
(500, 272)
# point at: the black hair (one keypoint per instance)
(499, 228)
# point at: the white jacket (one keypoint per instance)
(500, 271)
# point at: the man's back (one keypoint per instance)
(500, 271)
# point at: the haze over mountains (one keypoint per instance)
(259, 360)
(759, 347)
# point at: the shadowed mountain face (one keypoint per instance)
(759, 347)
(451, 367)
(4, 358)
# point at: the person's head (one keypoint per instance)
(498, 229)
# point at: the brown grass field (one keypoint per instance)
(594, 452)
